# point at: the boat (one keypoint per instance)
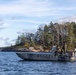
(53, 55)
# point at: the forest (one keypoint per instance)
(49, 35)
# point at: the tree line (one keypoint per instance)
(49, 35)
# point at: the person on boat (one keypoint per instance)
(56, 52)
(63, 47)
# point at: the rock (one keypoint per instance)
(23, 49)
(40, 48)
(33, 49)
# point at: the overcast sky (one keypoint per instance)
(26, 15)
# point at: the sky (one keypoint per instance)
(17, 16)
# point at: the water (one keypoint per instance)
(10, 64)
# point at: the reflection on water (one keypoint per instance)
(10, 64)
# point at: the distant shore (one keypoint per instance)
(22, 49)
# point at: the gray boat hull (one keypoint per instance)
(42, 56)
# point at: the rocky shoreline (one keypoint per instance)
(22, 49)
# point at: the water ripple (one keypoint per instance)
(10, 64)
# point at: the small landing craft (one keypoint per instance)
(48, 56)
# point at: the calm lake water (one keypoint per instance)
(10, 64)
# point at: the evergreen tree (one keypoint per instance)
(70, 38)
